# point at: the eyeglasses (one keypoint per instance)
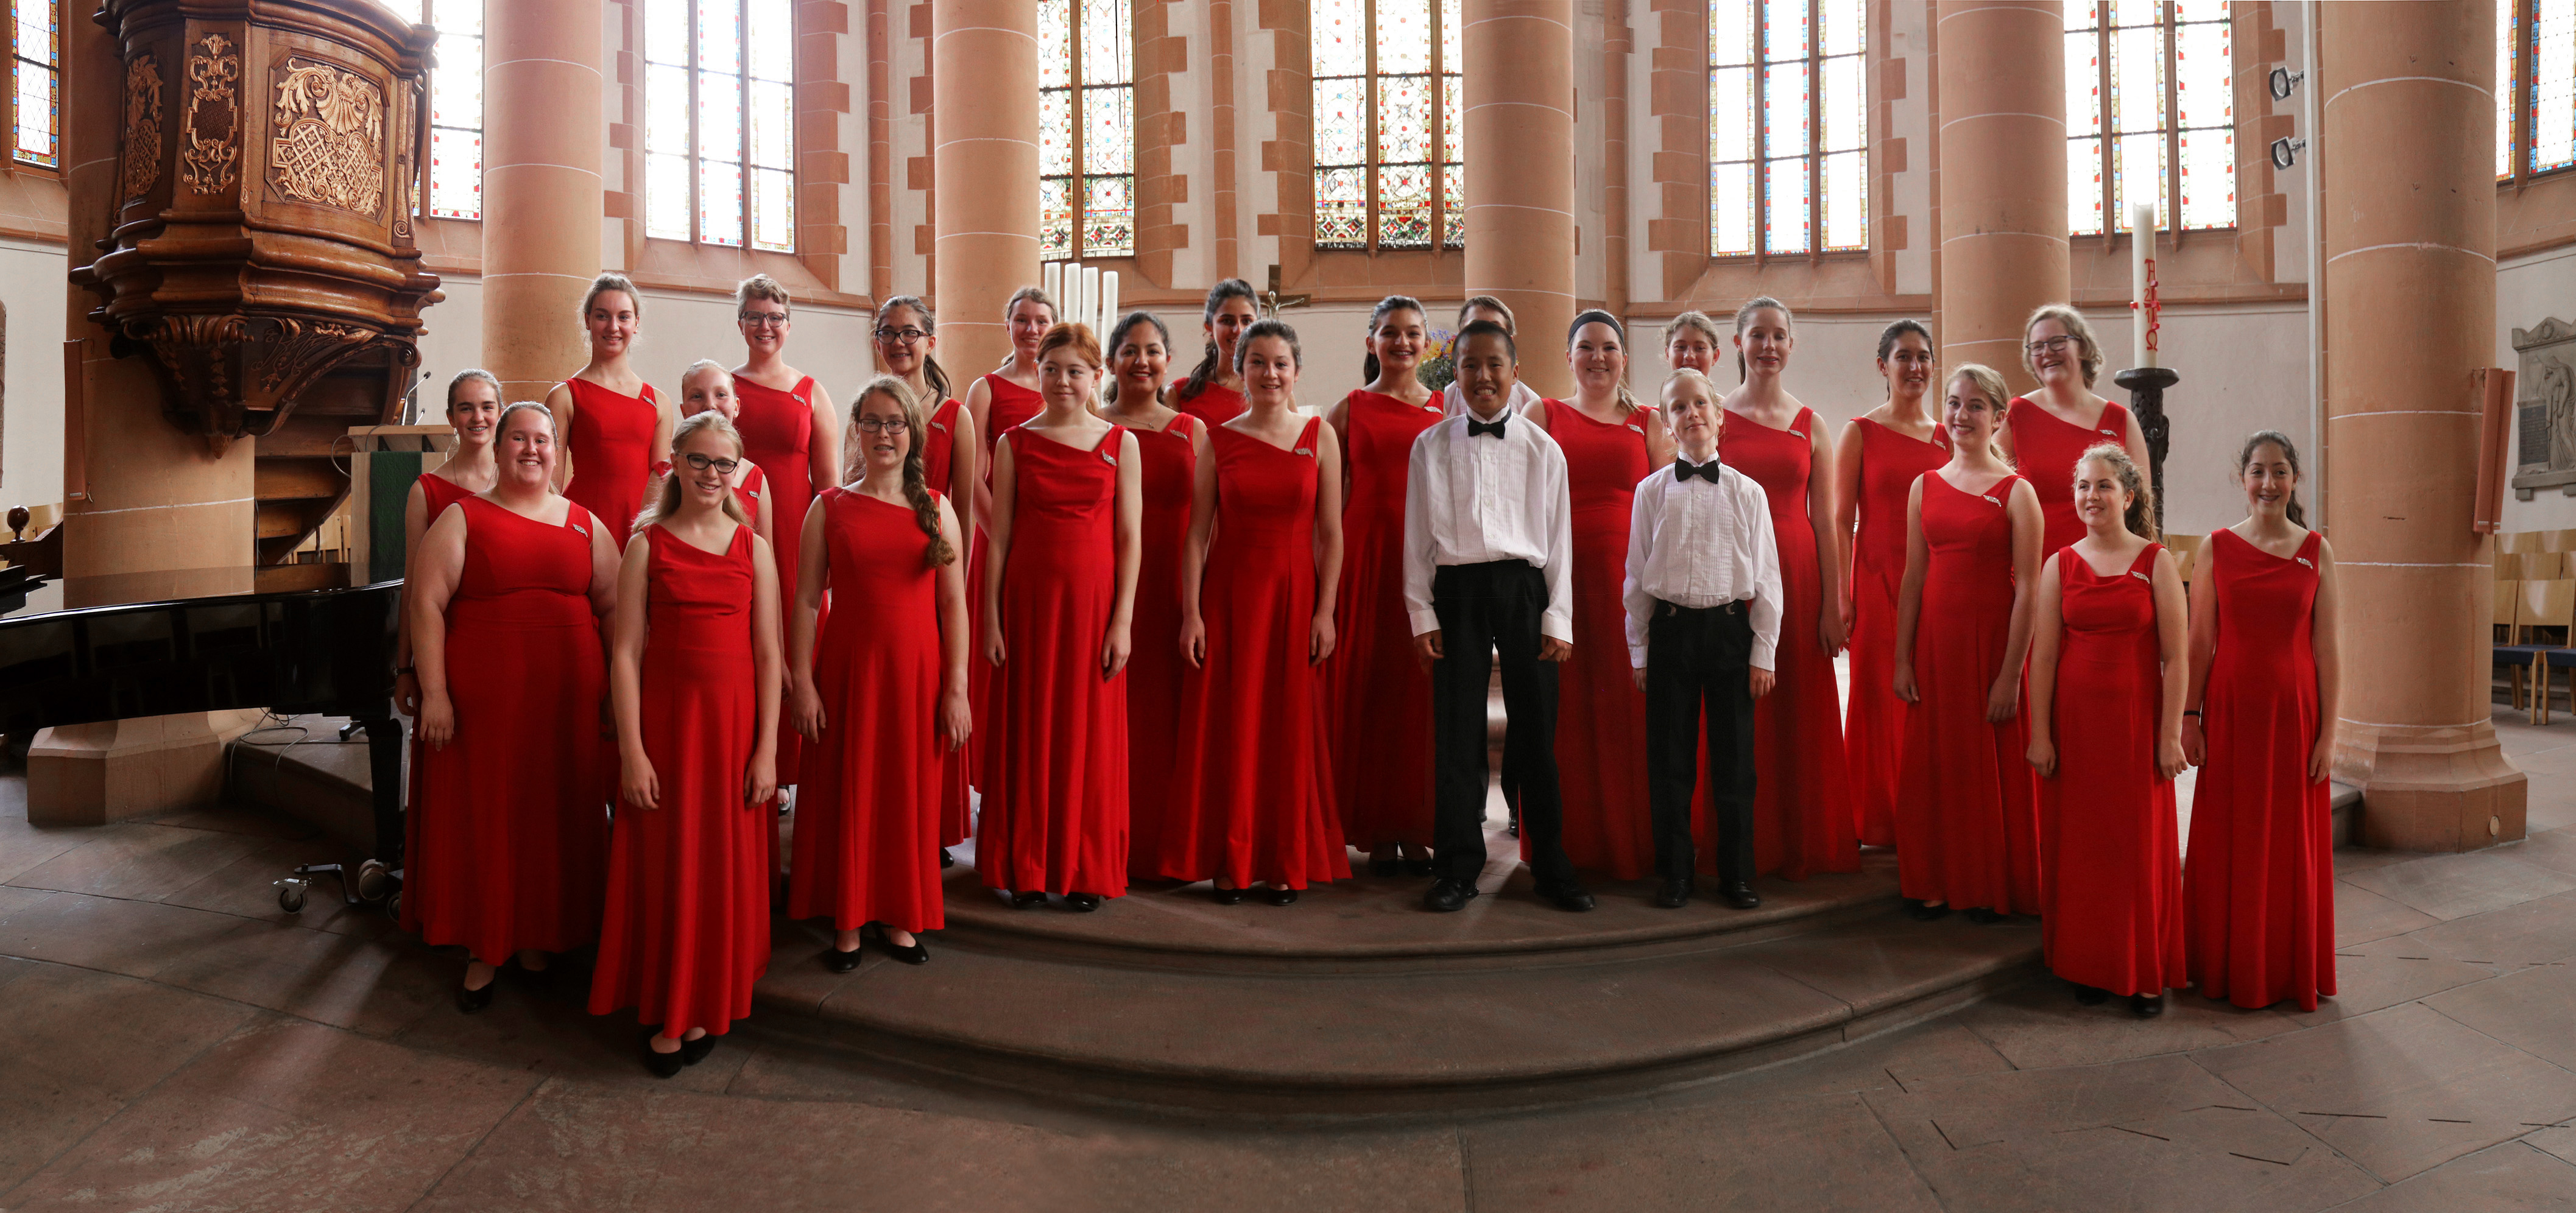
(765, 320)
(901, 336)
(700, 463)
(888, 425)
(2049, 345)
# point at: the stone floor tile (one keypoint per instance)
(247, 887)
(2559, 1140)
(226, 820)
(2553, 849)
(82, 1044)
(24, 847)
(2534, 932)
(2533, 1010)
(138, 862)
(373, 986)
(46, 1114)
(2400, 1091)
(2362, 916)
(13, 900)
(2041, 1025)
(1276, 1172)
(284, 1108)
(1917, 1053)
(2510, 1178)
(2348, 860)
(1824, 1153)
(135, 938)
(2456, 886)
(12, 968)
(547, 1029)
(2384, 976)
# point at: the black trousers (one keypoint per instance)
(1698, 668)
(1488, 611)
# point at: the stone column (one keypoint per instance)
(1519, 148)
(2410, 249)
(984, 91)
(2002, 85)
(543, 143)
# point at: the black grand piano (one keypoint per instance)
(322, 651)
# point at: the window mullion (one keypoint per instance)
(2108, 154)
(2169, 185)
(1815, 134)
(1073, 108)
(1761, 137)
(1369, 134)
(696, 163)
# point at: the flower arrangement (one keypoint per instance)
(1436, 369)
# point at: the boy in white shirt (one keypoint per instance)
(1703, 599)
(1488, 549)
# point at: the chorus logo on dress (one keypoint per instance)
(2304, 560)
(579, 529)
(2108, 433)
(1800, 435)
(1106, 457)
(1990, 499)
(2141, 576)
(1307, 451)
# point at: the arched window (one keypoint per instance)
(2150, 113)
(36, 41)
(1788, 127)
(1387, 170)
(1086, 129)
(2535, 83)
(719, 122)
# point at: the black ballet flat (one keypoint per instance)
(1228, 897)
(946, 860)
(917, 954)
(1278, 896)
(2091, 996)
(694, 1051)
(1082, 903)
(663, 1065)
(471, 1001)
(839, 961)
(1920, 912)
(1388, 866)
(1027, 900)
(1417, 867)
(1984, 917)
(2148, 1006)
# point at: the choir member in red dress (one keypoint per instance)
(1378, 697)
(2266, 683)
(2046, 431)
(995, 403)
(1173, 445)
(1067, 509)
(952, 463)
(1802, 814)
(707, 387)
(1876, 461)
(1968, 834)
(1213, 393)
(511, 830)
(1264, 556)
(474, 411)
(616, 431)
(2107, 671)
(1611, 441)
(885, 695)
(693, 673)
(791, 432)
(1691, 343)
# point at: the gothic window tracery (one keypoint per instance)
(1086, 129)
(719, 122)
(1788, 127)
(1387, 168)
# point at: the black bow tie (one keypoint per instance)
(1494, 427)
(1684, 469)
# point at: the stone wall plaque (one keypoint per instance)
(2545, 409)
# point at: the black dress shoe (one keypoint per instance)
(1920, 912)
(2091, 996)
(1227, 897)
(470, 1001)
(1027, 900)
(946, 860)
(2148, 1006)
(663, 1065)
(1674, 895)
(1082, 903)
(1740, 894)
(1278, 896)
(1984, 917)
(1417, 867)
(1569, 897)
(1447, 895)
(917, 954)
(694, 1051)
(839, 961)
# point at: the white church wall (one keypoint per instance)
(2528, 290)
(31, 414)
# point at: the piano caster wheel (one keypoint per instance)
(290, 896)
(393, 906)
(375, 881)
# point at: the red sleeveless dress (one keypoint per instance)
(1873, 717)
(512, 825)
(1601, 717)
(1055, 778)
(957, 766)
(687, 928)
(1802, 808)
(1969, 833)
(2044, 452)
(1252, 793)
(612, 453)
(1154, 673)
(778, 438)
(2259, 889)
(1377, 696)
(437, 493)
(748, 486)
(868, 809)
(2111, 866)
(1009, 407)
(1214, 405)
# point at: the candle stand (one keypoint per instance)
(2147, 386)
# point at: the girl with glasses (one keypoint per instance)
(2046, 431)
(952, 463)
(789, 430)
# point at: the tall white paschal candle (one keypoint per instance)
(1108, 302)
(1091, 297)
(1051, 279)
(2142, 252)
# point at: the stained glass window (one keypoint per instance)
(37, 43)
(1387, 168)
(719, 122)
(2150, 114)
(1086, 129)
(455, 176)
(2551, 128)
(1788, 127)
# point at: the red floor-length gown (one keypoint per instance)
(612, 453)
(687, 928)
(1154, 672)
(512, 824)
(1601, 717)
(778, 437)
(2111, 863)
(1967, 833)
(1873, 717)
(2259, 890)
(1253, 789)
(437, 493)
(1377, 696)
(957, 766)
(1055, 778)
(1214, 404)
(2045, 450)
(1008, 405)
(1802, 807)
(868, 812)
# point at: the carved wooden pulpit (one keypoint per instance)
(262, 255)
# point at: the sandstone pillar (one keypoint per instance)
(1519, 147)
(542, 212)
(2002, 86)
(2410, 249)
(984, 90)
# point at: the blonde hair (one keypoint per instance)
(611, 281)
(2089, 350)
(699, 367)
(663, 500)
(1686, 374)
(503, 425)
(916, 479)
(760, 286)
(2141, 515)
(1989, 384)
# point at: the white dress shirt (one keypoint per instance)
(1454, 401)
(1696, 544)
(1476, 500)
